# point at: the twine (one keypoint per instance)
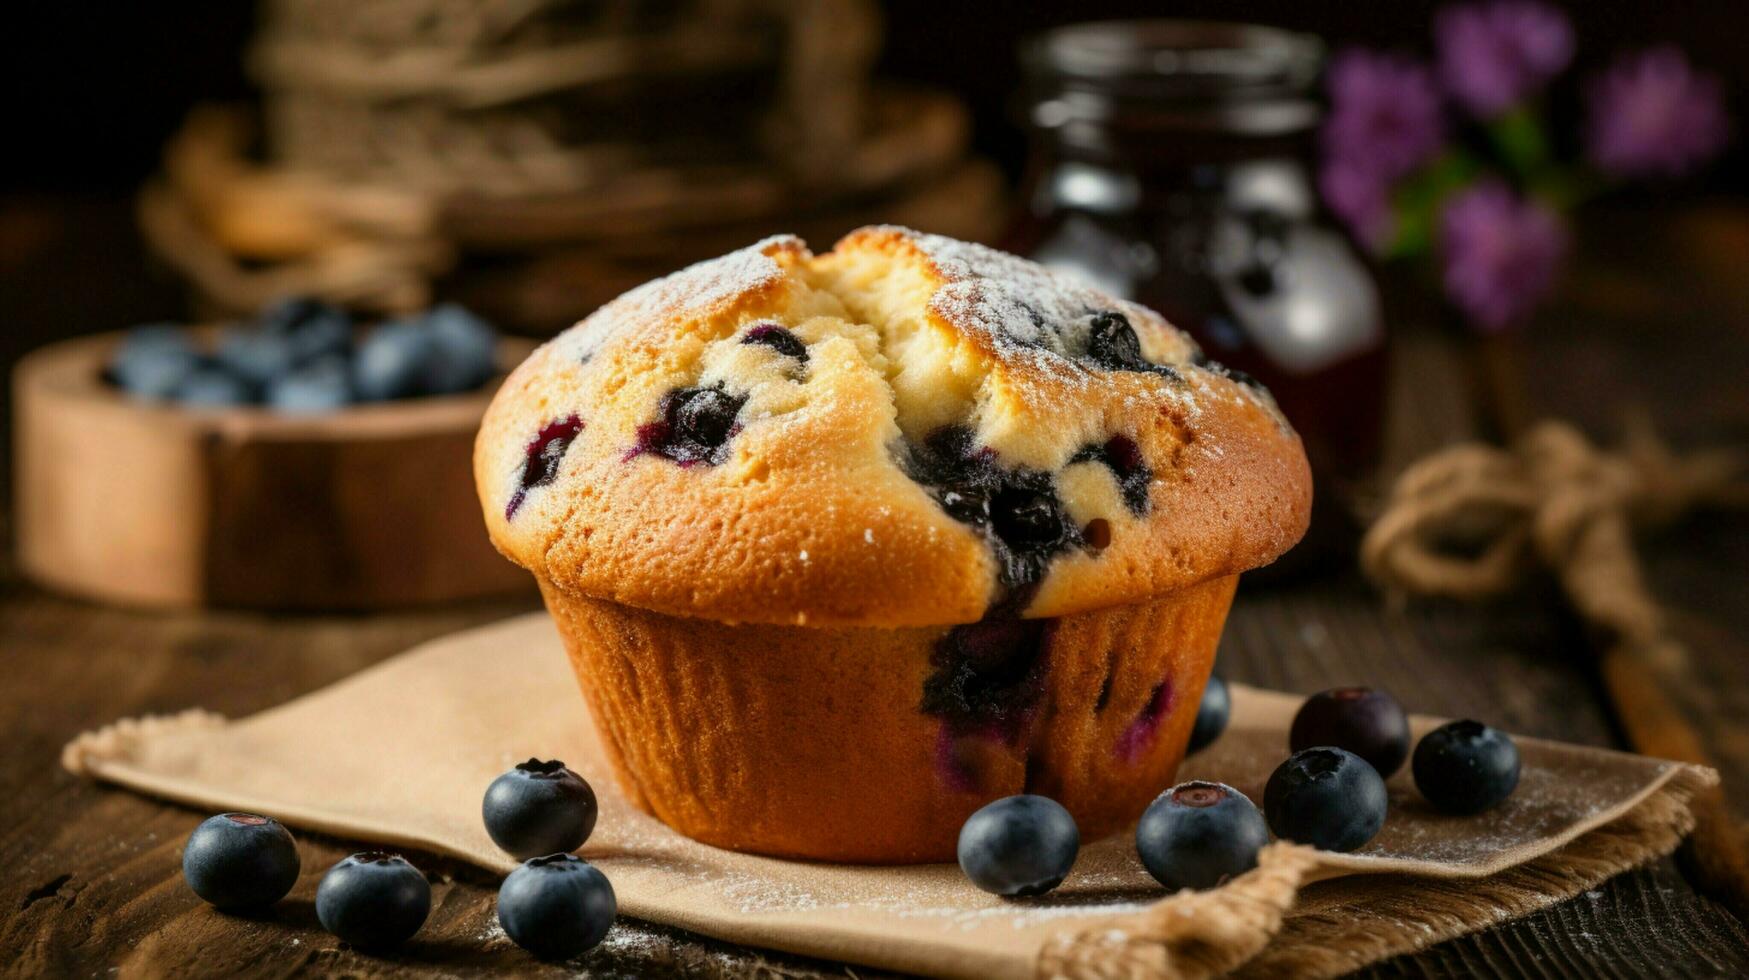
(512, 97)
(1469, 521)
(1191, 935)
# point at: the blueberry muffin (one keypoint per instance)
(844, 546)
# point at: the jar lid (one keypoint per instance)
(1242, 78)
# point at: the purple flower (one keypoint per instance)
(1500, 253)
(1361, 199)
(1384, 121)
(1384, 113)
(1493, 55)
(1652, 115)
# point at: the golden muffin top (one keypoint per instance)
(907, 430)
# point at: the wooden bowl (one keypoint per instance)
(163, 505)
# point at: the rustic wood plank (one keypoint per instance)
(1520, 667)
(92, 878)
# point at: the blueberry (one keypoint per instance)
(556, 906)
(705, 416)
(778, 339)
(255, 355)
(539, 808)
(213, 387)
(1327, 797)
(392, 361)
(321, 386)
(286, 315)
(1112, 344)
(1211, 713)
(329, 335)
(373, 899)
(464, 351)
(240, 861)
(694, 427)
(989, 675)
(308, 328)
(1369, 723)
(1017, 507)
(1197, 835)
(1024, 516)
(1465, 767)
(153, 360)
(154, 336)
(1019, 845)
(541, 458)
(1123, 457)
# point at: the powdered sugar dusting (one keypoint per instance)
(1023, 306)
(696, 291)
(1036, 315)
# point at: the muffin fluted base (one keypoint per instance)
(874, 745)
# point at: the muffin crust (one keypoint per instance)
(905, 431)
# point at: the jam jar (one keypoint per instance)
(1171, 164)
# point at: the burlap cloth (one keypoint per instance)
(401, 753)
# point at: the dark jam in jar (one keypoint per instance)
(1170, 165)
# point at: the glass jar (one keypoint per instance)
(1171, 165)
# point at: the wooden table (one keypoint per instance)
(1658, 316)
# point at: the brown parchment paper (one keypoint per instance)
(401, 753)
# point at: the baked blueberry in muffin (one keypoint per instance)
(897, 529)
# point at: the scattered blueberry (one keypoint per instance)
(1466, 767)
(556, 906)
(1211, 714)
(464, 351)
(778, 339)
(539, 808)
(1197, 835)
(694, 427)
(1019, 845)
(1327, 797)
(321, 386)
(212, 388)
(240, 861)
(392, 361)
(1369, 723)
(373, 900)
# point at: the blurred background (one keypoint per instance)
(93, 98)
(1294, 199)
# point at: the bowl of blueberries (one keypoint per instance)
(295, 460)
(303, 356)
